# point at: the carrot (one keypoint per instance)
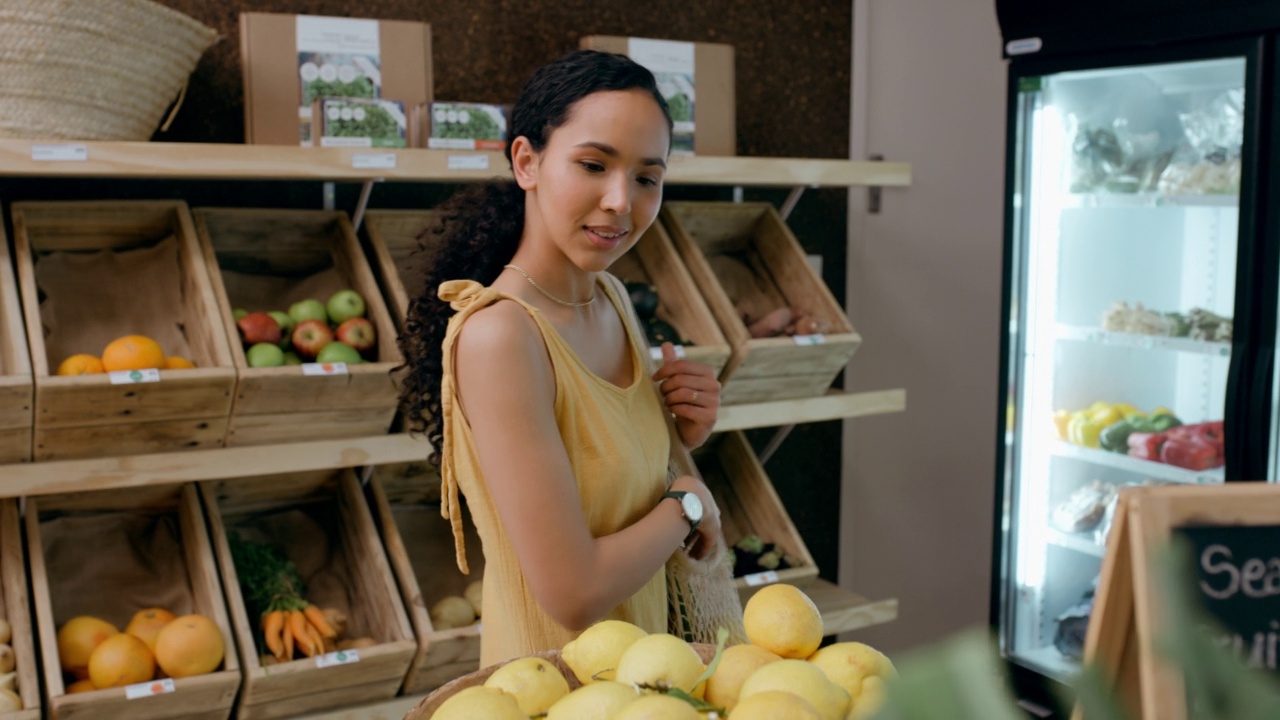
(317, 618)
(286, 636)
(316, 639)
(272, 624)
(298, 624)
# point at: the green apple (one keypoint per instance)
(291, 358)
(344, 305)
(286, 323)
(264, 355)
(239, 313)
(309, 309)
(339, 352)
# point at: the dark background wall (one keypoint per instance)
(793, 85)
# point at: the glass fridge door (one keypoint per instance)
(1125, 214)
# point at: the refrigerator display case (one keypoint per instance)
(1129, 215)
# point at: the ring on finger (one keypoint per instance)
(695, 396)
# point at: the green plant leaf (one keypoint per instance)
(722, 637)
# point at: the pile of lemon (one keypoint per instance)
(625, 672)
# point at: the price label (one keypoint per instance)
(372, 161)
(128, 377)
(59, 153)
(761, 578)
(324, 368)
(147, 689)
(468, 162)
(656, 352)
(342, 657)
(818, 339)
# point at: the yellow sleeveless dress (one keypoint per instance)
(618, 447)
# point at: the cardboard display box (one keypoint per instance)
(90, 272)
(17, 389)
(746, 252)
(321, 522)
(289, 60)
(697, 77)
(109, 554)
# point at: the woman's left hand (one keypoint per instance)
(691, 393)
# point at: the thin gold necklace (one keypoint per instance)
(539, 288)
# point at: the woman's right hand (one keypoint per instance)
(707, 536)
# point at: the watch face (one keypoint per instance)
(692, 505)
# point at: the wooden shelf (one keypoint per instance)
(842, 611)
(214, 161)
(835, 405)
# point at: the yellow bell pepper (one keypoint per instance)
(1061, 418)
(1106, 417)
(1126, 410)
(1083, 428)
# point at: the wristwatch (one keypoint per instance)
(690, 506)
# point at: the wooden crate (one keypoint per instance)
(749, 505)
(762, 369)
(196, 589)
(333, 500)
(654, 260)
(420, 546)
(120, 268)
(266, 260)
(393, 237)
(17, 387)
(16, 607)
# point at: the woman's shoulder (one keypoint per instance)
(501, 330)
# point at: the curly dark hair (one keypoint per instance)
(478, 229)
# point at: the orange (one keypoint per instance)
(81, 364)
(121, 660)
(173, 362)
(77, 640)
(147, 624)
(190, 645)
(132, 352)
(81, 686)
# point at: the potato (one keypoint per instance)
(9, 701)
(336, 619)
(452, 612)
(6, 632)
(9, 681)
(7, 659)
(474, 595)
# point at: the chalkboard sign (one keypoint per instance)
(1238, 576)
(1235, 532)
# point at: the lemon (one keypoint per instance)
(594, 654)
(775, 705)
(535, 684)
(480, 702)
(658, 707)
(801, 678)
(661, 662)
(850, 664)
(736, 665)
(870, 701)
(598, 701)
(784, 621)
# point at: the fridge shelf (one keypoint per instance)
(1054, 663)
(1154, 470)
(1076, 541)
(1148, 200)
(1146, 342)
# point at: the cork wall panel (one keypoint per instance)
(792, 68)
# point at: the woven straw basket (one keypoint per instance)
(93, 69)
(428, 706)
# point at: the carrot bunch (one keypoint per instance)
(270, 584)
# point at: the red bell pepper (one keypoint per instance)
(1192, 454)
(1146, 445)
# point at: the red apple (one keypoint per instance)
(310, 336)
(258, 327)
(358, 333)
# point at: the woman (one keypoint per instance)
(534, 390)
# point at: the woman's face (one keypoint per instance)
(597, 185)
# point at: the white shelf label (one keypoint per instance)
(128, 377)
(468, 162)
(656, 352)
(342, 657)
(147, 689)
(60, 153)
(818, 339)
(373, 161)
(324, 368)
(1024, 46)
(761, 578)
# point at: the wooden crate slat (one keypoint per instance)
(82, 400)
(254, 430)
(17, 384)
(129, 439)
(17, 610)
